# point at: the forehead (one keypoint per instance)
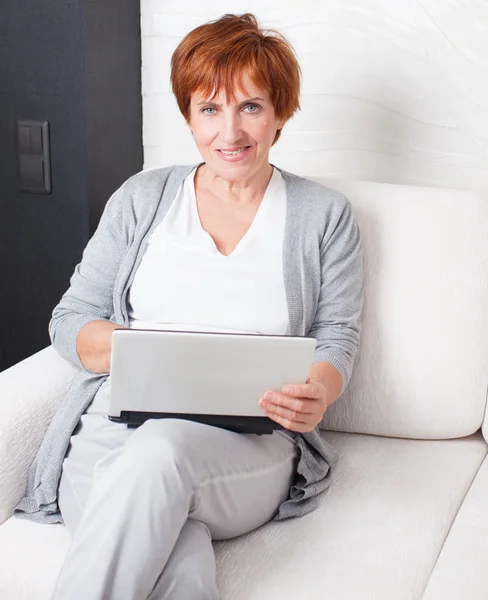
(241, 88)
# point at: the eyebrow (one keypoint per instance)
(244, 102)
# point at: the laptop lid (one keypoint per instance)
(217, 378)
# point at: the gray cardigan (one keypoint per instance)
(323, 272)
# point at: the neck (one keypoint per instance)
(245, 191)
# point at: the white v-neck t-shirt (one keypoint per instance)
(184, 283)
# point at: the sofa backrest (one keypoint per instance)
(422, 367)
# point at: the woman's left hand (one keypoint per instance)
(298, 407)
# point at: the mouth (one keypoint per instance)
(233, 154)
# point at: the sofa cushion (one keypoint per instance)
(377, 534)
(421, 370)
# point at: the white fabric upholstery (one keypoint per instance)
(485, 420)
(30, 392)
(379, 530)
(41, 547)
(462, 565)
(422, 369)
(377, 534)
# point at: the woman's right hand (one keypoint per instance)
(94, 345)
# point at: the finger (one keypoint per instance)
(305, 390)
(287, 413)
(300, 405)
(287, 424)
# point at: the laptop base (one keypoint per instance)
(244, 424)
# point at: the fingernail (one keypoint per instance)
(287, 389)
(269, 396)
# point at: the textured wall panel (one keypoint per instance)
(392, 91)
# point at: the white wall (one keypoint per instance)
(393, 90)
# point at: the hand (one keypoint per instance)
(298, 407)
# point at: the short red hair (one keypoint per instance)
(211, 56)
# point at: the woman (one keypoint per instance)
(230, 244)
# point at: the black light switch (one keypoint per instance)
(36, 140)
(34, 156)
(24, 140)
(31, 169)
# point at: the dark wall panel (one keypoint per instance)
(42, 236)
(112, 96)
(49, 71)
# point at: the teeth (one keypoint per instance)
(233, 153)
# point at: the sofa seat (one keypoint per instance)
(377, 534)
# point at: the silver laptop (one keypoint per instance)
(212, 378)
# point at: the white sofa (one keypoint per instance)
(406, 516)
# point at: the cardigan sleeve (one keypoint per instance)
(90, 295)
(337, 323)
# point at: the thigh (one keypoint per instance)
(238, 480)
(94, 437)
(241, 478)
(255, 484)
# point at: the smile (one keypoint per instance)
(234, 154)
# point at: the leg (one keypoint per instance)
(93, 438)
(193, 554)
(190, 570)
(144, 491)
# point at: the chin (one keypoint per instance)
(232, 171)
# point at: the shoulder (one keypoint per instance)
(321, 204)
(158, 180)
(145, 191)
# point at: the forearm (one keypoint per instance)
(330, 377)
(94, 345)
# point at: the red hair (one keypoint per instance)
(213, 55)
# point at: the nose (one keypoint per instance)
(231, 128)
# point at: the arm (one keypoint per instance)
(330, 378)
(336, 327)
(337, 323)
(81, 326)
(94, 345)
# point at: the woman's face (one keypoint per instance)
(234, 138)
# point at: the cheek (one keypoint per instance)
(266, 131)
(203, 135)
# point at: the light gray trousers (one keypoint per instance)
(143, 505)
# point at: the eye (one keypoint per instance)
(253, 108)
(207, 108)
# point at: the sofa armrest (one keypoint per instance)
(460, 571)
(484, 426)
(30, 393)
